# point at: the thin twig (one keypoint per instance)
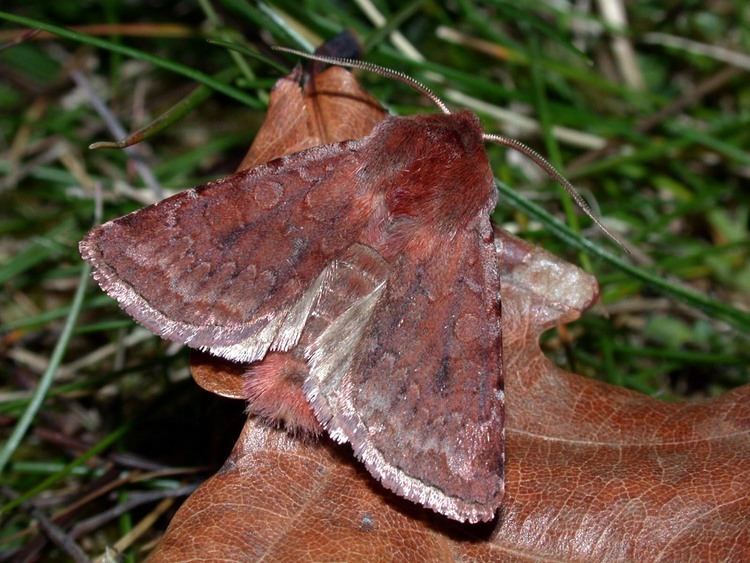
(55, 533)
(123, 459)
(688, 99)
(22, 36)
(124, 479)
(483, 46)
(734, 58)
(139, 529)
(613, 13)
(57, 147)
(118, 132)
(566, 135)
(161, 30)
(134, 499)
(137, 336)
(397, 38)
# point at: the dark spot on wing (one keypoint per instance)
(442, 376)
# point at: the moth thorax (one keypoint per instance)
(438, 169)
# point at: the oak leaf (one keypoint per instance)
(594, 472)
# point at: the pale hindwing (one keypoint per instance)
(411, 375)
(347, 289)
(235, 266)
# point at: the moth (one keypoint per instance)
(368, 268)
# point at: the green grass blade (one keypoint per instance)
(173, 114)
(68, 469)
(49, 374)
(38, 251)
(736, 317)
(177, 68)
(250, 53)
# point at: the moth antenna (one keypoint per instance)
(499, 139)
(371, 67)
(552, 172)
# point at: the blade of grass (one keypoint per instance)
(52, 314)
(175, 113)
(553, 149)
(14, 405)
(250, 53)
(582, 75)
(68, 469)
(523, 16)
(713, 307)
(39, 250)
(667, 149)
(140, 29)
(730, 151)
(177, 68)
(380, 33)
(217, 27)
(264, 18)
(46, 380)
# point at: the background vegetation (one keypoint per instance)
(649, 117)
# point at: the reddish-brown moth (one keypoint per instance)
(373, 263)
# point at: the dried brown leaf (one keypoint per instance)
(306, 112)
(594, 472)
